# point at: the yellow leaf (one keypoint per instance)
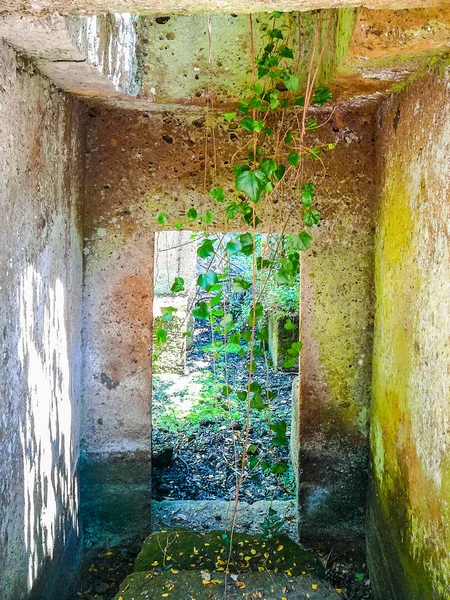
(164, 595)
(240, 584)
(155, 563)
(280, 547)
(180, 553)
(110, 554)
(174, 571)
(339, 591)
(261, 569)
(253, 551)
(314, 586)
(169, 558)
(266, 555)
(247, 558)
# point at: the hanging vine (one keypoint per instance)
(268, 172)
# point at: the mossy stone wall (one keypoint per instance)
(409, 505)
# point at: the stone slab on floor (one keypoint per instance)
(206, 515)
(192, 585)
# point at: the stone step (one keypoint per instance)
(187, 550)
(207, 515)
(198, 585)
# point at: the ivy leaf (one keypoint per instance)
(263, 334)
(252, 449)
(267, 166)
(233, 247)
(226, 390)
(311, 217)
(161, 336)
(178, 285)
(289, 363)
(302, 241)
(192, 214)
(240, 285)
(292, 83)
(276, 34)
(289, 325)
(207, 218)
(279, 468)
(252, 462)
(241, 395)
(207, 280)
(216, 299)
(279, 428)
(235, 338)
(231, 210)
(218, 194)
(257, 402)
(162, 218)
(279, 172)
(314, 153)
(206, 249)
(295, 348)
(252, 183)
(229, 116)
(311, 124)
(293, 159)
(201, 312)
(288, 138)
(321, 95)
(299, 101)
(256, 313)
(308, 193)
(228, 322)
(167, 313)
(246, 240)
(262, 263)
(286, 52)
(285, 276)
(251, 125)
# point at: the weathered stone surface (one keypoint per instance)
(194, 6)
(408, 543)
(41, 192)
(115, 498)
(189, 586)
(205, 515)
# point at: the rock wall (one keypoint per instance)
(42, 185)
(143, 164)
(409, 506)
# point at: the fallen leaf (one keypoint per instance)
(314, 586)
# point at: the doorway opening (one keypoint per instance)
(198, 413)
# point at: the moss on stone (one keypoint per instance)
(184, 550)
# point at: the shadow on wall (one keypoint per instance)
(49, 449)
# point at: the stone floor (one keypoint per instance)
(206, 515)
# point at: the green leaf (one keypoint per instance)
(289, 325)
(161, 335)
(218, 194)
(207, 280)
(268, 166)
(292, 83)
(162, 218)
(252, 462)
(311, 217)
(235, 338)
(314, 153)
(252, 449)
(289, 363)
(229, 116)
(232, 210)
(311, 124)
(241, 395)
(207, 218)
(276, 34)
(192, 214)
(178, 285)
(251, 125)
(252, 183)
(226, 390)
(167, 313)
(227, 322)
(279, 172)
(256, 313)
(331, 146)
(295, 348)
(240, 285)
(201, 312)
(288, 138)
(247, 244)
(286, 52)
(302, 241)
(308, 193)
(321, 95)
(279, 468)
(206, 249)
(178, 226)
(257, 402)
(359, 576)
(262, 263)
(268, 131)
(293, 159)
(263, 334)
(299, 101)
(233, 247)
(285, 276)
(216, 299)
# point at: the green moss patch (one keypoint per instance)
(186, 550)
